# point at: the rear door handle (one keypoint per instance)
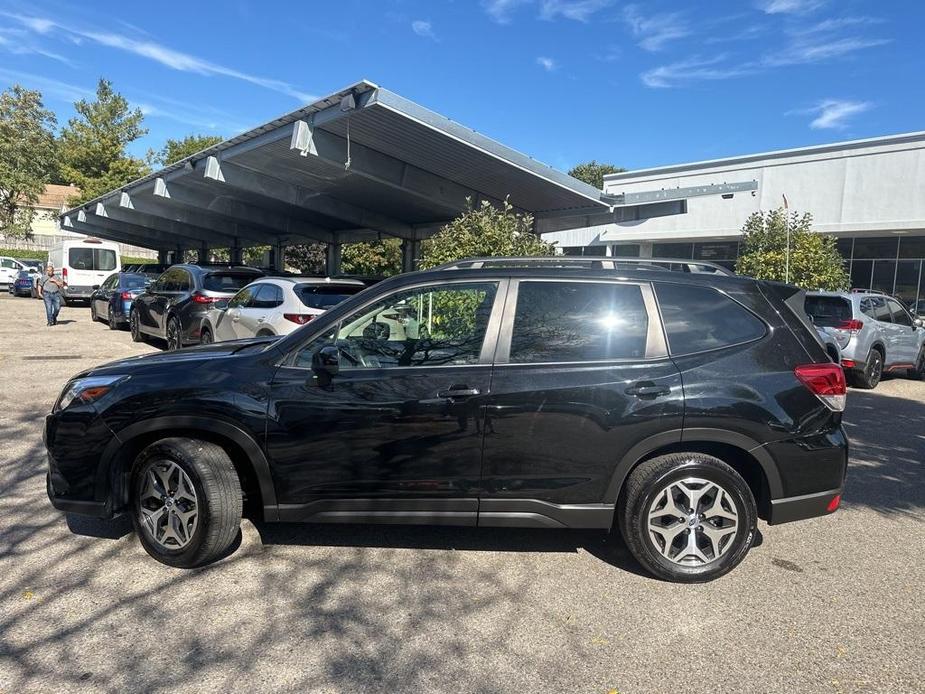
(647, 390)
(458, 392)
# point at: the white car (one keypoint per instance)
(275, 306)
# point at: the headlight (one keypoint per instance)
(87, 390)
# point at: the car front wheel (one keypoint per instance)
(917, 372)
(687, 517)
(186, 501)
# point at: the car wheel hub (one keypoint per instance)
(168, 507)
(692, 522)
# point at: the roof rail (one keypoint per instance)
(861, 290)
(592, 262)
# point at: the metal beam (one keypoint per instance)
(98, 230)
(665, 194)
(242, 178)
(143, 221)
(233, 210)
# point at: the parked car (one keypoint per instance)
(147, 268)
(534, 396)
(22, 285)
(9, 270)
(831, 345)
(918, 309)
(173, 306)
(83, 263)
(593, 262)
(112, 301)
(274, 306)
(876, 334)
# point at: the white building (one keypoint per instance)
(869, 193)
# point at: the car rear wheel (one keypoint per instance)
(687, 517)
(205, 336)
(134, 326)
(869, 378)
(111, 319)
(186, 501)
(174, 341)
(93, 317)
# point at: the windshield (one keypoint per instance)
(324, 296)
(228, 281)
(827, 311)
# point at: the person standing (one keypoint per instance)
(50, 286)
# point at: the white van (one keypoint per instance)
(84, 264)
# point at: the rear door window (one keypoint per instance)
(827, 311)
(578, 321)
(268, 296)
(227, 281)
(698, 319)
(91, 259)
(323, 296)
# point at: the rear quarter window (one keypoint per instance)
(698, 319)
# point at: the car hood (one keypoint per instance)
(216, 350)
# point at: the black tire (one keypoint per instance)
(134, 326)
(205, 337)
(647, 482)
(218, 500)
(265, 333)
(869, 378)
(917, 372)
(93, 317)
(174, 334)
(111, 319)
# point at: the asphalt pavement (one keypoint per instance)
(828, 605)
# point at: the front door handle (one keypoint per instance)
(647, 389)
(458, 392)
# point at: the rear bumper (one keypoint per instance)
(70, 292)
(796, 508)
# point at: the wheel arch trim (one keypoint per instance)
(108, 478)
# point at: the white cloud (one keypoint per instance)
(56, 89)
(548, 64)
(695, 69)
(655, 30)
(501, 10)
(790, 6)
(17, 42)
(423, 28)
(833, 113)
(578, 10)
(168, 57)
(804, 52)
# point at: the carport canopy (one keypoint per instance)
(363, 163)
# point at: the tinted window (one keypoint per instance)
(227, 281)
(132, 281)
(827, 311)
(243, 298)
(880, 311)
(578, 321)
(8, 263)
(426, 326)
(172, 280)
(900, 317)
(91, 259)
(324, 296)
(268, 296)
(700, 318)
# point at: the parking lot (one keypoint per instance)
(827, 605)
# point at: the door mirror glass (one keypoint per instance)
(221, 304)
(919, 323)
(326, 360)
(95, 287)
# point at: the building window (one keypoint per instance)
(587, 251)
(728, 250)
(672, 250)
(874, 248)
(625, 250)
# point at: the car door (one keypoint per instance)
(396, 433)
(881, 313)
(581, 376)
(227, 325)
(252, 316)
(102, 296)
(907, 335)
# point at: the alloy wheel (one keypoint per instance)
(112, 320)
(876, 367)
(134, 326)
(205, 337)
(173, 335)
(167, 504)
(692, 521)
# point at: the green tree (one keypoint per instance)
(814, 261)
(375, 258)
(175, 150)
(27, 156)
(92, 145)
(308, 258)
(484, 231)
(593, 173)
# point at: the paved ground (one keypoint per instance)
(829, 605)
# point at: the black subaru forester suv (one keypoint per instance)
(677, 408)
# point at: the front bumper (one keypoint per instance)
(95, 509)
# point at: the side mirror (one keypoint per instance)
(95, 287)
(326, 361)
(221, 304)
(918, 322)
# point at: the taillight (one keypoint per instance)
(126, 295)
(834, 503)
(300, 318)
(826, 381)
(64, 274)
(202, 298)
(853, 326)
(848, 363)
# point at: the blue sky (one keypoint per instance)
(636, 84)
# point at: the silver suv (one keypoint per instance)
(875, 332)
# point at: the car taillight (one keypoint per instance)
(300, 318)
(834, 503)
(64, 274)
(200, 298)
(826, 381)
(126, 295)
(853, 326)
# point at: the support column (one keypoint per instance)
(332, 261)
(410, 254)
(162, 255)
(178, 255)
(234, 253)
(278, 256)
(204, 253)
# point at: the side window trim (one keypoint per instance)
(489, 342)
(656, 344)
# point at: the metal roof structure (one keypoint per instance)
(363, 163)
